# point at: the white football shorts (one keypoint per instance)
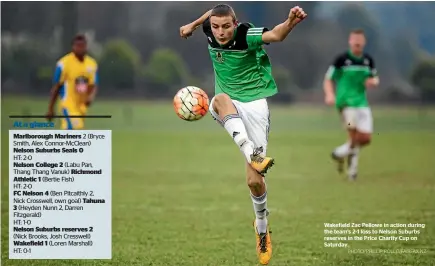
(359, 118)
(256, 117)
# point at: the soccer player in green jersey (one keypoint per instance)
(243, 81)
(351, 74)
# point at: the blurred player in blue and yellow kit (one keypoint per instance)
(75, 84)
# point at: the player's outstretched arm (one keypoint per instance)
(187, 30)
(280, 32)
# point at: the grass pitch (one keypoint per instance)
(180, 198)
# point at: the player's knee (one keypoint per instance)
(220, 101)
(255, 181)
(364, 139)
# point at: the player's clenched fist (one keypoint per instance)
(186, 31)
(296, 15)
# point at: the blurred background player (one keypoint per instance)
(75, 83)
(351, 74)
(243, 81)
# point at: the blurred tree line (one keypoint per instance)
(141, 54)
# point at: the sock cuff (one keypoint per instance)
(228, 117)
(260, 199)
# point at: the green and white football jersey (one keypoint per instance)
(349, 73)
(242, 67)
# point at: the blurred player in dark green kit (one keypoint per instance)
(243, 82)
(351, 73)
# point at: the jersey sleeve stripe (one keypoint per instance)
(330, 72)
(255, 31)
(255, 34)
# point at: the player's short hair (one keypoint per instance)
(223, 10)
(357, 31)
(79, 38)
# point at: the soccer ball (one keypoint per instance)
(191, 103)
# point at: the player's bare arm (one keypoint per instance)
(372, 82)
(92, 87)
(54, 92)
(92, 93)
(280, 32)
(328, 88)
(187, 30)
